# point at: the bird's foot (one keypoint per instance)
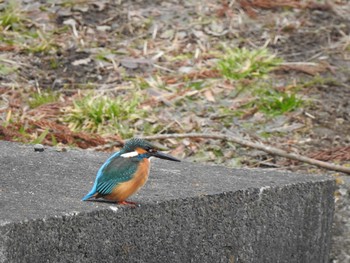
(127, 203)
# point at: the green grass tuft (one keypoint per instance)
(37, 99)
(11, 17)
(103, 114)
(41, 137)
(5, 70)
(241, 63)
(17, 29)
(272, 102)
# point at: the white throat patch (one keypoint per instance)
(130, 154)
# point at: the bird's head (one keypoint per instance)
(143, 149)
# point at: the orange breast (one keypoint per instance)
(122, 191)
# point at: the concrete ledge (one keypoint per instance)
(340, 244)
(188, 213)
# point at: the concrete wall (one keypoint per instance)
(340, 252)
(187, 213)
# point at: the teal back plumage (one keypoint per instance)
(119, 170)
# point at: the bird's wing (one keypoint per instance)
(115, 172)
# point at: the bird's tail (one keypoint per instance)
(89, 195)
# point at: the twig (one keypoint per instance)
(259, 146)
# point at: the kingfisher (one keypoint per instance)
(126, 171)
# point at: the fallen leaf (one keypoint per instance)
(209, 95)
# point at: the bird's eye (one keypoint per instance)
(152, 150)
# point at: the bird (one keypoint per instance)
(125, 171)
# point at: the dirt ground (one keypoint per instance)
(71, 47)
(140, 39)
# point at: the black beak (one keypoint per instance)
(165, 156)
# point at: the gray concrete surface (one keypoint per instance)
(188, 213)
(340, 252)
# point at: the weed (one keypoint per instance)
(71, 3)
(103, 114)
(157, 83)
(11, 17)
(263, 97)
(53, 140)
(181, 57)
(42, 47)
(141, 83)
(197, 85)
(272, 102)
(22, 131)
(38, 42)
(40, 98)
(41, 137)
(54, 63)
(148, 22)
(319, 81)
(16, 29)
(5, 70)
(241, 63)
(104, 55)
(152, 128)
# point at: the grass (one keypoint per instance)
(11, 17)
(17, 29)
(103, 114)
(155, 82)
(5, 70)
(242, 63)
(41, 137)
(104, 55)
(272, 102)
(40, 98)
(318, 81)
(54, 63)
(71, 3)
(39, 43)
(265, 99)
(197, 85)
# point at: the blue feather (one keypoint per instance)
(99, 174)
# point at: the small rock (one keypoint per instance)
(186, 70)
(82, 8)
(61, 149)
(181, 35)
(216, 29)
(38, 148)
(103, 28)
(131, 63)
(83, 61)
